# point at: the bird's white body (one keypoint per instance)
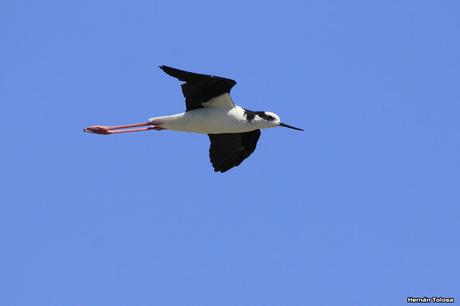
(220, 116)
(208, 121)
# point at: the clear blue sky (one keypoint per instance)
(360, 209)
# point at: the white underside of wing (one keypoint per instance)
(222, 101)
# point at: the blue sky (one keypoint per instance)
(360, 209)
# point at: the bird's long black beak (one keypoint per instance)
(290, 126)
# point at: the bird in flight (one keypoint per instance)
(232, 130)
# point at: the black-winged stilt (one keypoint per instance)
(233, 130)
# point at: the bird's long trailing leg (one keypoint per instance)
(117, 129)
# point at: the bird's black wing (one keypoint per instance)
(229, 150)
(199, 88)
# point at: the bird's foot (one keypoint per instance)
(97, 129)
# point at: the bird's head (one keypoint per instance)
(269, 120)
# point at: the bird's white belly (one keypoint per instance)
(207, 121)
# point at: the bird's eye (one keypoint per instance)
(270, 118)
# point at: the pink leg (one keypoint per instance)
(117, 129)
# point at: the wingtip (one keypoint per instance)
(166, 69)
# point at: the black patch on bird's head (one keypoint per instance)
(250, 115)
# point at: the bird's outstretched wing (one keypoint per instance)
(201, 90)
(229, 150)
